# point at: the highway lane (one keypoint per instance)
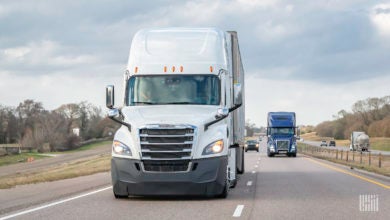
(271, 188)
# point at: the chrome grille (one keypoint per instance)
(282, 145)
(173, 143)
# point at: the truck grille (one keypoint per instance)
(282, 145)
(173, 143)
(166, 165)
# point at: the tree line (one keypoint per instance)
(371, 115)
(63, 128)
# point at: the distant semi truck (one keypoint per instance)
(360, 141)
(282, 134)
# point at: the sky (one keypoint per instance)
(312, 57)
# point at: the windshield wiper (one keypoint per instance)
(146, 103)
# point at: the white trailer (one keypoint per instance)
(359, 141)
(182, 115)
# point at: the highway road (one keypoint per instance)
(271, 188)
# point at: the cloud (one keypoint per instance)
(59, 51)
(380, 17)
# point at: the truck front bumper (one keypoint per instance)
(204, 177)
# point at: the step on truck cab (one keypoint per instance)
(182, 117)
(282, 134)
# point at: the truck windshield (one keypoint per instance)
(173, 89)
(289, 131)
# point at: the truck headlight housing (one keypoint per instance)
(213, 148)
(272, 148)
(120, 148)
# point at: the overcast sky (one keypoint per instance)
(312, 57)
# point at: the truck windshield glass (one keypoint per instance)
(288, 131)
(173, 89)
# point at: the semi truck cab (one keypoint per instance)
(282, 134)
(182, 117)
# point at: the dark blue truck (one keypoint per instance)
(282, 134)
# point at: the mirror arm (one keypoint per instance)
(234, 107)
(207, 125)
(121, 122)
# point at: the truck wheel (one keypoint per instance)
(225, 191)
(294, 154)
(233, 184)
(242, 165)
(118, 196)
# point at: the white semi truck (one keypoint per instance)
(182, 117)
(359, 141)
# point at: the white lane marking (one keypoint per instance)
(252, 172)
(54, 204)
(256, 166)
(238, 211)
(249, 183)
(257, 162)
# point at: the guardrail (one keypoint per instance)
(367, 160)
(7, 149)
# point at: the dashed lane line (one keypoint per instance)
(238, 211)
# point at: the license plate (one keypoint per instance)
(282, 152)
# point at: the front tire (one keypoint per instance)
(119, 196)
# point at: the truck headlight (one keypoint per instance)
(213, 148)
(120, 148)
(257, 145)
(272, 148)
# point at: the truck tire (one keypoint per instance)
(242, 165)
(225, 190)
(233, 184)
(119, 196)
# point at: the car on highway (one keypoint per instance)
(332, 143)
(323, 143)
(251, 145)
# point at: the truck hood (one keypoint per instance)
(196, 115)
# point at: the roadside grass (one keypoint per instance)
(380, 144)
(23, 157)
(72, 169)
(355, 159)
(377, 143)
(86, 147)
(20, 158)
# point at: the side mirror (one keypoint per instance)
(298, 133)
(222, 112)
(110, 96)
(237, 94)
